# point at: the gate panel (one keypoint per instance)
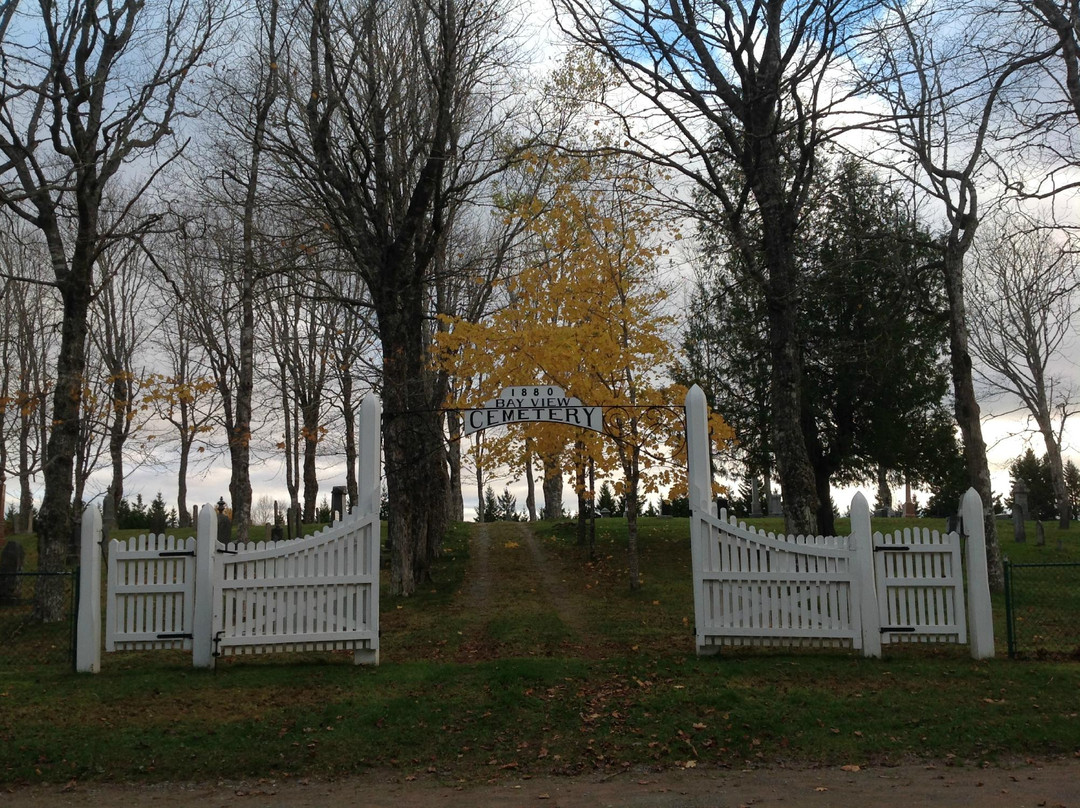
(313, 594)
(920, 586)
(761, 589)
(151, 593)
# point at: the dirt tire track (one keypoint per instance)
(552, 579)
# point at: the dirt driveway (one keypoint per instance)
(1051, 784)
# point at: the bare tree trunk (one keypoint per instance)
(553, 485)
(788, 441)
(530, 483)
(582, 502)
(54, 524)
(455, 502)
(413, 442)
(967, 409)
(479, 437)
(348, 408)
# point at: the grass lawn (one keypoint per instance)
(521, 657)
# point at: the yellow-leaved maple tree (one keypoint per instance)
(585, 311)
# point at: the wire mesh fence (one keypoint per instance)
(1042, 602)
(24, 639)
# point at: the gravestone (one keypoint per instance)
(338, 498)
(224, 528)
(108, 514)
(755, 498)
(1019, 510)
(776, 508)
(1040, 534)
(11, 562)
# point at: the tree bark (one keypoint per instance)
(54, 523)
(530, 482)
(455, 503)
(416, 474)
(966, 408)
(552, 486)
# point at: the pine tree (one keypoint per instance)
(157, 517)
(1072, 486)
(491, 507)
(606, 501)
(1035, 472)
(506, 507)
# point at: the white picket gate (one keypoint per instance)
(150, 593)
(858, 591)
(762, 590)
(320, 592)
(920, 586)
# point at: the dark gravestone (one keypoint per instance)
(277, 533)
(1020, 510)
(776, 507)
(11, 561)
(338, 496)
(1040, 534)
(224, 528)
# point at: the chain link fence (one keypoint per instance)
(25, 641)
(1042, 604)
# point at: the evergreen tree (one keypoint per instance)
(506, 507)
(157, 517)
(1072, 486)
(490, 506)
(1035, 472)
(871, 330)
(606, 501)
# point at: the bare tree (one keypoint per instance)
(119, 329)
(85, 89)
(738, 99)
(942, 84)
(1062, 17)
(182, 395)
(241, 96)
(1022, 307)
(31, 316)
(403, 108)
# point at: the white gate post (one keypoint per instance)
(699, 492)
(980, 613)
(88, 642)
(369, 497)
(202, 641)
(866, 599)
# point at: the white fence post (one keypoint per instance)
(202, 641)
(88, 642)
(699, 492)
(980, 613)
(368, 500)
(866, 599)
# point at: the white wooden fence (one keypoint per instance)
(316, 593)
(858, 591)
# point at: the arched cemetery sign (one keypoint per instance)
(543, 403)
